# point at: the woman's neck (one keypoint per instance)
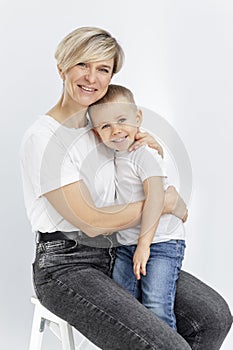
(71, 116)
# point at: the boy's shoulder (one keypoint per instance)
(143, 154)
(146, 152)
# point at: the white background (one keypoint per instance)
(179, 63)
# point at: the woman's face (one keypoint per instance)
(86, 83)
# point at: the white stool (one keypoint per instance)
(62, 329)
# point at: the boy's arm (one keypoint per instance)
(152, 210)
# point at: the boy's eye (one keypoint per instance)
(121, 120)
(105, 126)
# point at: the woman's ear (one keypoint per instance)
(62, 75)
(139, 118)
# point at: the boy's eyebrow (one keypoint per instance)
(99, 124)
(109, 121)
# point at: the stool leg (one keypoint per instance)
(67, 337)
(55, 329)
(37, 331)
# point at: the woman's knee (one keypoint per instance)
(203, 316)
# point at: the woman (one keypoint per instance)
(72, 268)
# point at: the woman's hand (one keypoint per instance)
(144, 138)
(174, 204)
(140, 258)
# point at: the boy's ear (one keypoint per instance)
(139, 118)
(62, 75)
(96, 133)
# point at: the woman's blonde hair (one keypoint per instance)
(88, 44)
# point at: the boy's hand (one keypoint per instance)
(140, 259)
(144, 138)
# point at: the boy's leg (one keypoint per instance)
(123, 270)
(159, 285)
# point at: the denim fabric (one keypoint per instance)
(72, 280)
(157, 289)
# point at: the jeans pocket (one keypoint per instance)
(51, 252)
(58, 246)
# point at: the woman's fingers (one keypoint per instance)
(144, 138)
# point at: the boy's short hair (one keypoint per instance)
(113, 92)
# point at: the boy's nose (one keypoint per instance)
(116, 129)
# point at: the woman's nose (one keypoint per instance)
(90, 75)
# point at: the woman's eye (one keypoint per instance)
(81, 64)
(104, 70)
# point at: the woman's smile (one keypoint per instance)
(87, 89)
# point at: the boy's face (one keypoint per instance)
(116, 123)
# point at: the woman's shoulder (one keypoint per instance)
(42, 123)
(38, 133)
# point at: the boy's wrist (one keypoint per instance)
(143, 244)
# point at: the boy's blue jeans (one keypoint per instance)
(156, 290)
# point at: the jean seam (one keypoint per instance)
(57, 281)
(172, 287)
(170, 306)
(196, 327)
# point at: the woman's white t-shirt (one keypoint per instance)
(52, 156)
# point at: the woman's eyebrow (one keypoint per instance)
(106, 66)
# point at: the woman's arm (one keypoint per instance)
(74, 203)
(152, 211)
(174, 204)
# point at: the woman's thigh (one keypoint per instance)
(203, 316)
(85, 296)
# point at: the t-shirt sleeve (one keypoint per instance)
(47, 164)
(149, 163)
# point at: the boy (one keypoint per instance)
(150, 256)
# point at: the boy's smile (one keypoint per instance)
(116, 123)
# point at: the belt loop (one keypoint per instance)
(37, 237)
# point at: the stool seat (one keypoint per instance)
(61, 328)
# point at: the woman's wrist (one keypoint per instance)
(174, 204)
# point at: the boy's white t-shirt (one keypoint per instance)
(52, 156)
(131, 169)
